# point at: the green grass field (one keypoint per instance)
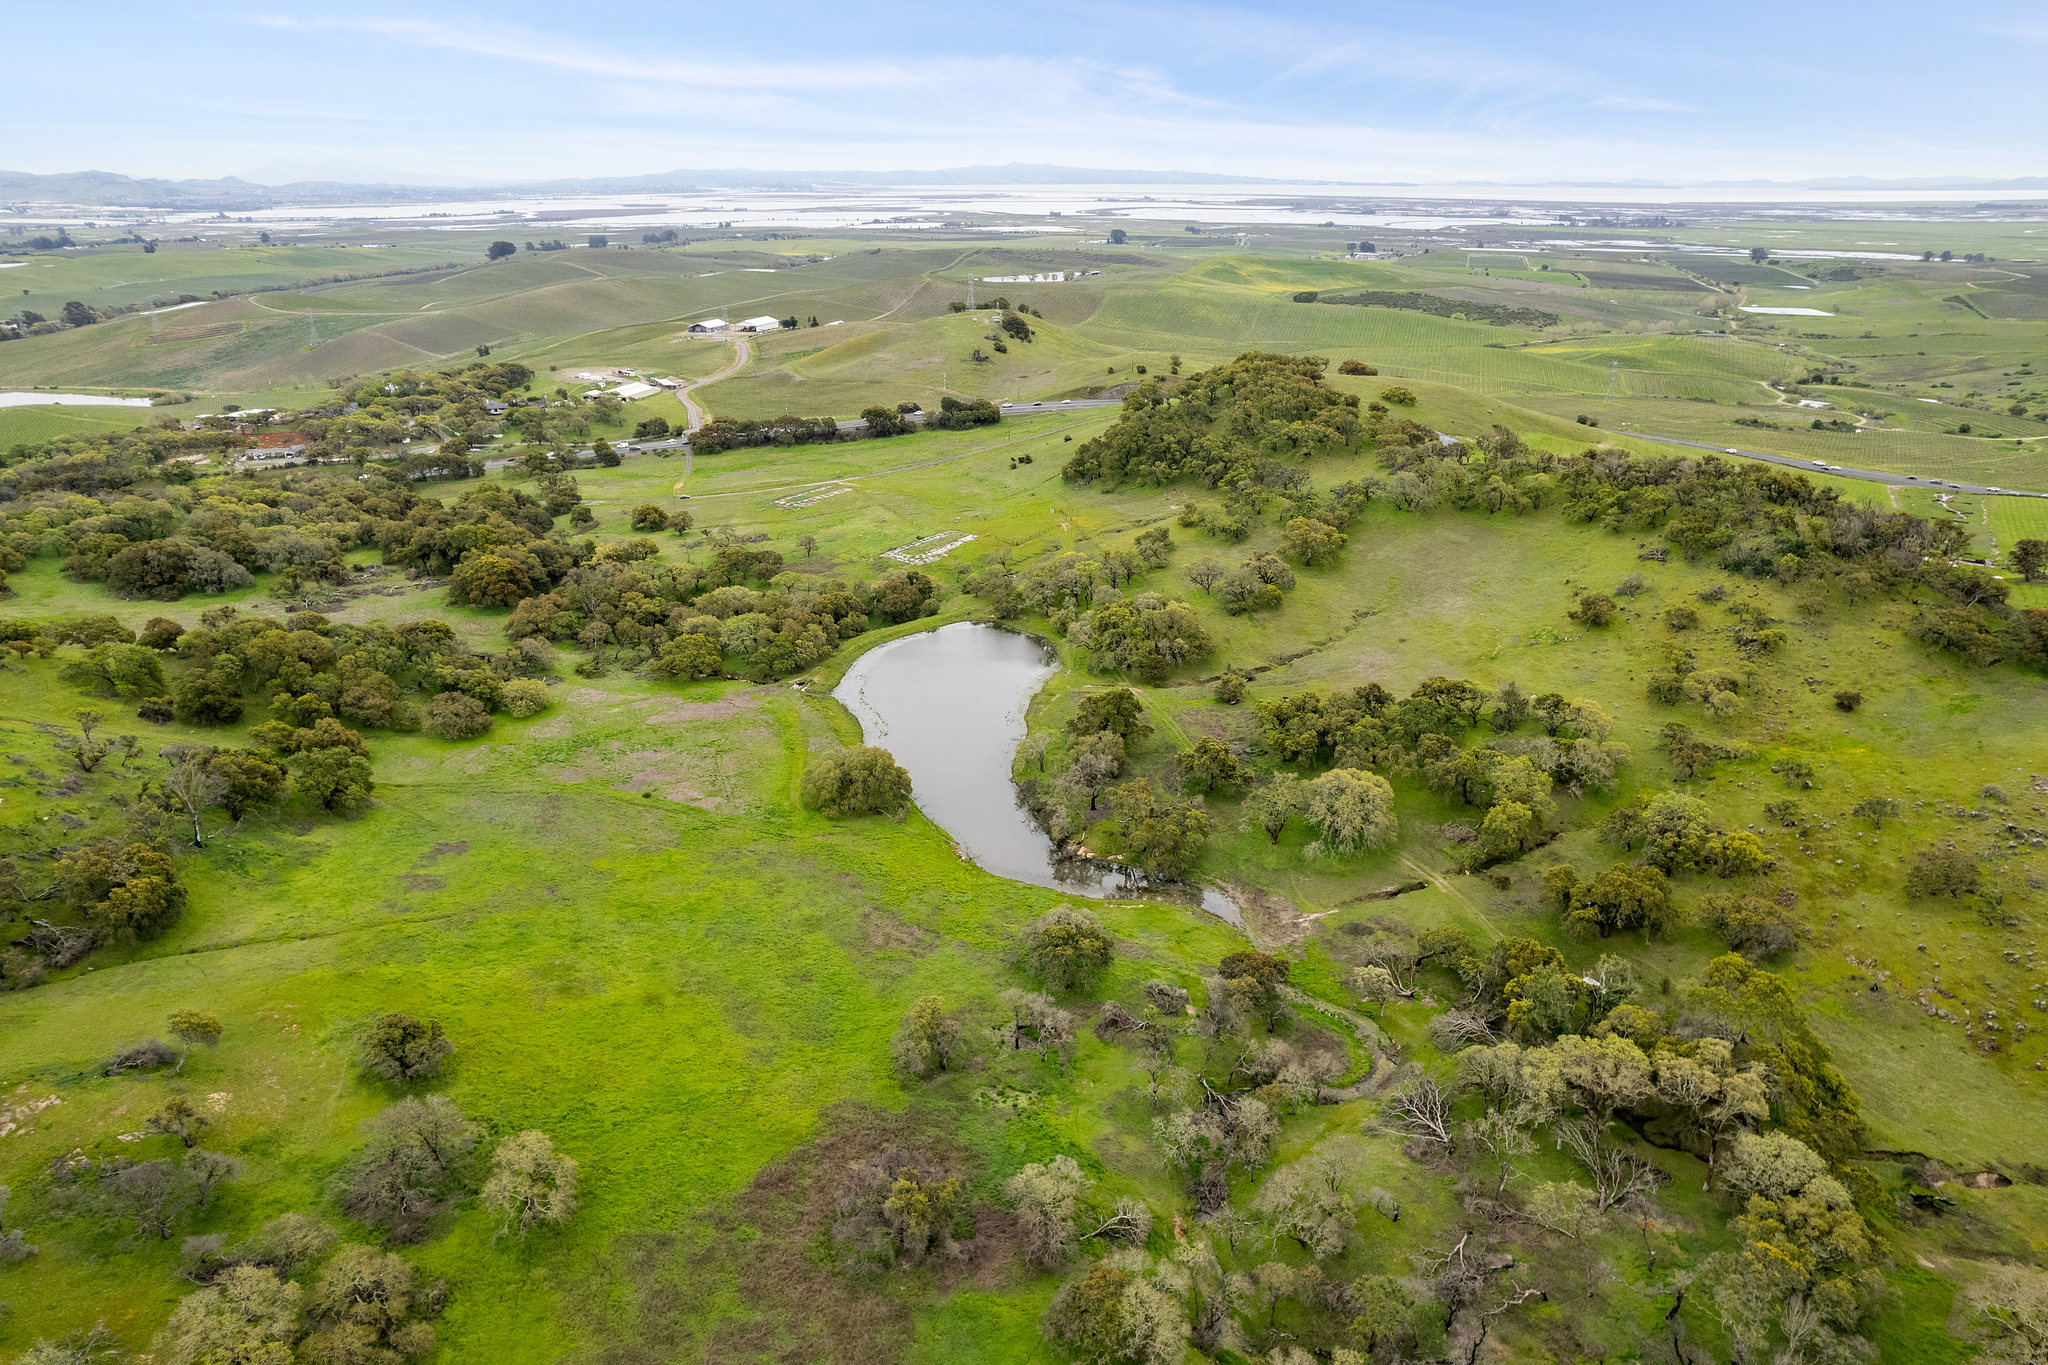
(642, 943)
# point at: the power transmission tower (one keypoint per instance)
(970, 293)
(312, 331)
(1613, 372)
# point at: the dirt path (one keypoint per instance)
(693, 414)
(1442, 883)
(882, 473)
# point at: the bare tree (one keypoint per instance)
(1419, 1110)
(208, 1171)
(1461, 1275)
(193, 780)
(153, 1195)
(1397, 957)
(85, 751)
(179, 1119)
(1204, 574)
(1617, 1172)
(1129, 1221)
(1502, 1132)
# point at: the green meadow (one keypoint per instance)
(643, 943)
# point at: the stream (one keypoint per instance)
(949, 704)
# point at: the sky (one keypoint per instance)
(1388, 92)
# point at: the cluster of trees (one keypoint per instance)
(448, 406)
(311, 672)
(729, 433)
(1154, 832)
(123, 511)
(1219, 424)
(1508, 777)
(1727, 1070)
(1257, 584)
(1493, 314)
(685, 621)
(289, 1291)
(1147, 636)
(1233, 427)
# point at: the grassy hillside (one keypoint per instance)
(641, 942)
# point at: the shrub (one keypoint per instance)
(1594, 609)
(457, 715)
(883, 421)
(1066, 947)
(1351, 809)
(690, 656)
(862, 780)
(524, 697)
(1943, 872)
(403, 1049)
(1750, 925)
(117, 670)
(627, 551)
(1846, 700)
(1398, 396)
(1312, 542)
(1356, 367)
(648, 517)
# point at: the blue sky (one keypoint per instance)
(1367, 93)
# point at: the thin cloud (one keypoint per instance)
(1645, 104)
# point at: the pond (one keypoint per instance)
(949, 704)
(77, 400)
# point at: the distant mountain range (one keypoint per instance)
(335, 182)
(339, 182)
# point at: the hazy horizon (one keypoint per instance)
(1589, 93)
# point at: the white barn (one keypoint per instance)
(710, 325)
(761, 324)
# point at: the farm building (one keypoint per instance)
(761, 324)
(709, 325)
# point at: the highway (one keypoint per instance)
(1082, 404)
(1839, 471)
(851, 424)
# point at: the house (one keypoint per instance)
(494, 407)
(761, 324)
(709, 325)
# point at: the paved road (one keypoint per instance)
(1839, 471)
(849, 424)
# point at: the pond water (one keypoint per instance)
(949, 704)
(81, 400)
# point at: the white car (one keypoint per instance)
(1733, 451)
(1820, 464)
(1008, 405)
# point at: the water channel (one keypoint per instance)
(949, 704)
(76, 400)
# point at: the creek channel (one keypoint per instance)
(949, 704)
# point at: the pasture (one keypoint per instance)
(642, 942)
